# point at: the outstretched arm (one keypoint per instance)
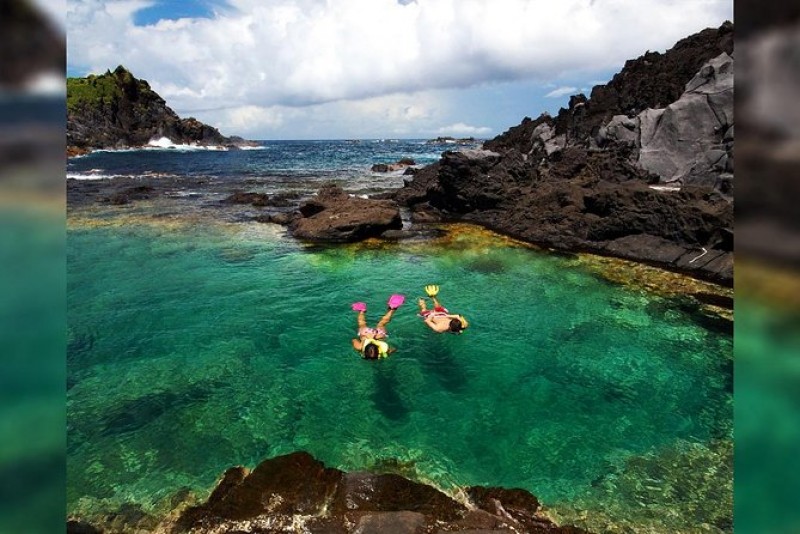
(357, 344)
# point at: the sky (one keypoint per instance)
(347, 69)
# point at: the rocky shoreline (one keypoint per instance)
(641, 170)
(297, 493)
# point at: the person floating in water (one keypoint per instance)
(371, 341)
(439, 319)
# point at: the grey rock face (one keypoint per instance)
(690, 141)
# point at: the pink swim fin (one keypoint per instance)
(395, 301)
(359, 307)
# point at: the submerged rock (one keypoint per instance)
(256, 199)
(129, 194)
(335, 216)
(403, 163)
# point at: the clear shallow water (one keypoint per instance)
(191, 351)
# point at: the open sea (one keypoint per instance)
(199, 340)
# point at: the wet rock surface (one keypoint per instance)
(401, 164)
(335, 216)
(297, 491)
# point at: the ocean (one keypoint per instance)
(199, 339)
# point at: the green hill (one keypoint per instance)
(116, 110)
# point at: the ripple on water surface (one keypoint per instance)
(200, 348)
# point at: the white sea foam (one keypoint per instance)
(99, 174)
(165, 143)
(91, 176)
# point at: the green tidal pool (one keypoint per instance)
(194, 349)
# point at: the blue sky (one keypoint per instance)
(300, 69)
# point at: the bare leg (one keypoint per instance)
(362, 321)
(436, 303)
(423, 306)
(385, 319)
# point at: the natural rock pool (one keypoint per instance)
(192, 348)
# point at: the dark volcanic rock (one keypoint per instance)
(256, 199)
(129, 194)
(589, 178)
(653, 80)
(402, 163)
(334, 216)
(298, 491)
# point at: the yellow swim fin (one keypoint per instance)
(432, 290)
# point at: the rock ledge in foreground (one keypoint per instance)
(298, 492)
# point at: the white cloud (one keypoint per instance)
(250, 119)
(373, 65)
(302, 52)
(395, 115)
(561, 91)
(461, 129)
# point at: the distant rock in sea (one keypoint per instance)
(447, 140)
(116, 110)
(402, 163)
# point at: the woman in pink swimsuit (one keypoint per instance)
(370, 342)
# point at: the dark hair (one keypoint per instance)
(371, 352)
(455, 325)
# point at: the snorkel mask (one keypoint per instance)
(464, 325)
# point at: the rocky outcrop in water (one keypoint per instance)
(116, 110)
(399, 165)
(334, 216)
(641, 170)
(298, 493)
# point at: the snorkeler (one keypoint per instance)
(371, 341)
(439, 319)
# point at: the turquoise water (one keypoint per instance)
(190, 351)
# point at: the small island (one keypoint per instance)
(116, 110)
